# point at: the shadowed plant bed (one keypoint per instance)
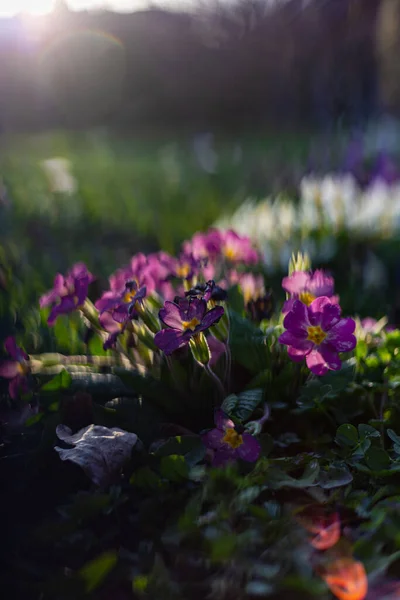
(205, 442)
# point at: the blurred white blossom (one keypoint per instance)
(206, 156)
(59, 175)
(327, 205)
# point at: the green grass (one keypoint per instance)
(128, 200)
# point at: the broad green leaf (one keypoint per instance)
(366, 431)
(377, 459)
(60, 382)
(34, 419)
(174, 467)
(95, 571)
(248, 344)
(278, 479)
(189, 446)
(145, 478)
(334, 476)
(347, 435)
(243, 405)
(393, 436)
(235, 299)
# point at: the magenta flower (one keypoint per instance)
(122, 304)
(318, 334)
(217, 349)
(306, 286)
(184, 318)
(238, 249)
(205, 245)
(68, 293)
(209, 291)
(186, 266)
(229, 442)
(17, 370)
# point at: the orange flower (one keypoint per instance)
(325, 528)
(347, 579)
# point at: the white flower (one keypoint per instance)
(59, 176)
(374, 273)
(204, 151)
(100, 451)
(339, 196)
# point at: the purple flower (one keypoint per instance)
(217, 349)
(205, 245)
(209, 291)
(229, 442)
(68, 293)
(16, 370)
(238, 249)
(123, 303)
(186, 266)
(184, 318)
(318, 334)
(306, 286)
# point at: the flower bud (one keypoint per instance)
(199, 348)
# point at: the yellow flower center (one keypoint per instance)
(306, 298)
(190, 324)
(316, 334)
(23, 368)
(232, 438)
(183, 271)
(230, 253)
(129, 296)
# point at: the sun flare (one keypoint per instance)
(8, 8)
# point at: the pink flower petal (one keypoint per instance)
(213, 438)
(169, 340)
(296, 282)
(9, 369)
(222, 421)
(341, 336)
(171, 315)
(297, 319)
(323, 359)
(211, 317)
(250, 449)
(298, 354)
(323, 312)
(297, 341)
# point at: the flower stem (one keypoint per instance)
(216, 379)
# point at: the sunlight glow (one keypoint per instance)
(8, 8)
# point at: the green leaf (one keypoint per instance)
(235, 299)
(189, 446)
(377, 459)
(174, 468)
(278, 479)
(334, 476)
(393, 436)
(361, 350)
(60, 382)
(95, 571)
(242, 406)
(95, 346)
(223, 547)
(366, 431)
(347, 435)
(140, 584)
(34, 419)
(145, 478)
(150, 388)
(248, 344)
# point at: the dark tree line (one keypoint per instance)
(284, 62)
